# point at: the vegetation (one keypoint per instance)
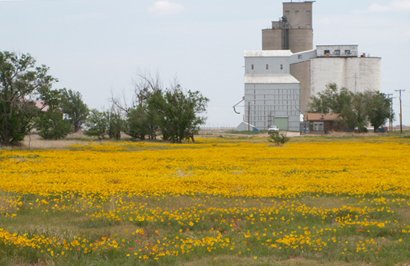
(20, 81)
(27, 100)
(278, 138)
(50, 122)
(174, 113)
(97, 124)
(219, 201)
(357, 110)
(116, 124)
(179, 119)
(74, 108)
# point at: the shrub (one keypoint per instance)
(278, 138)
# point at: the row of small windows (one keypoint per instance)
(338, 52)
(287, 12)
(266, 67)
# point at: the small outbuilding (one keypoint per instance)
(321, 123)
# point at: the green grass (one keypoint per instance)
(392, 246)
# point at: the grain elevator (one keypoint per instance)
(281, 78)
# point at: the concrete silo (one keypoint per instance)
(293, 31)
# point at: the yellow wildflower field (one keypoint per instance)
(326, 200)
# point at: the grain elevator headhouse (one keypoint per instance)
(293, 31)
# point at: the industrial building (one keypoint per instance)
(281, 78)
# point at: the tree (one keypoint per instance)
(143, 120)
(74, 107)
(20, 81)
(180, 113)
(52, 125)
(360, 109)
(357, 110)
(173, 112)
(115, 124)
(50, 122)
(379, 109)
(96, 124)
(137, 122)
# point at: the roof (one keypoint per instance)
(332, 45)
(272, 79)
(322, 117)
(268, 53)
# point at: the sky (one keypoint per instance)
(99, 47)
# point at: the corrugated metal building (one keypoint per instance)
(271, 93)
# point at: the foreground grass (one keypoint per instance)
(219, 202)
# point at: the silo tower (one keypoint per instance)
(293, 31)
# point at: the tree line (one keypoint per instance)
(356, 110)
(28, 101)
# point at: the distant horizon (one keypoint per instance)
(98, 47)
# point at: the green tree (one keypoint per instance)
(96, 124)
(143, 120)
(180, 113)
(52, 125)
(360, 109)
(115, 124)
(74, 107)
(175, 113)
(20, 81)
(50, 122)
(379, 109)
(357, 110)
(137, 122)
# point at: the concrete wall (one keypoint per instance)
(272, 39)
(357, 74)
(299, 14)
(301, 71)
(300, 40)
(264, 102)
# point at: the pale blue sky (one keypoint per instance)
(97, 46)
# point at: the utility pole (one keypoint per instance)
(401, 111)
(390, 96)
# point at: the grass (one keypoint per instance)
(203, 228)
(252, 220)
